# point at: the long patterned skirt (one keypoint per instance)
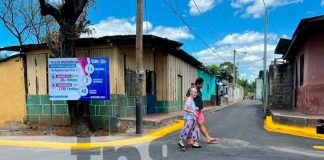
(190, 130)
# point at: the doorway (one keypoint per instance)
(151, 91)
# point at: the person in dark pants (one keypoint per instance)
(200, 116)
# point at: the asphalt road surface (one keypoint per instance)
(239, 127)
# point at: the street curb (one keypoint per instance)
(319, 147)
(92, 145)
(307, 132)
(78, 146)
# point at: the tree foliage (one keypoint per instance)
(71, 16)
(223, 70)
(248, 87)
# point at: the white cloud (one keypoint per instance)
(249, 77)
(322, 3)
(255, 8)
(115, 26)
(251, 58)
(285, 36)
(251, 42)
(247, 38)
(203, 5)
(172, 33)
(55, 1)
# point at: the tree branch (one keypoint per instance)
(81, 4)
(47, 9)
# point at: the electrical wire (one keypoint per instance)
(220, 43)
(192, 30)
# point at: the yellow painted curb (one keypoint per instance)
(319, 147)
(308, 132)
(74, 146)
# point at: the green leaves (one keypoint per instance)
(224, 70)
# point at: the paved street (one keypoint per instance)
(239, 127)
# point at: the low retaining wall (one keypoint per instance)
(101, 112)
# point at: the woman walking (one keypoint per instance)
(191, 129)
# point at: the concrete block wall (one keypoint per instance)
(103, 113)
(168, 106)
(281, 86)
(38, 111)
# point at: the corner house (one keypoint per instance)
(170, 71)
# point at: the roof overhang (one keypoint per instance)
(306, 29)
(149, 41)
(282, 46)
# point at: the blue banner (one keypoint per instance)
(79, 78)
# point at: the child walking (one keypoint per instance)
(190, 130)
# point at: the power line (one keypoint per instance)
(192, 46)
(176, 21)
(184, 22)
(178, 10)
(209, 27)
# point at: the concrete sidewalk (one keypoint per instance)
(155, 121)
(294, 118)
(293, 123)
(58, 142)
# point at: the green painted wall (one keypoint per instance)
(101, 112)
(38, 111)
(209, 85)
(104, 114)
(167, 106)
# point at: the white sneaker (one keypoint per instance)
(196, 145)
(181, 144)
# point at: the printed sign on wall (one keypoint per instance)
(78, 78)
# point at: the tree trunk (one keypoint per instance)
(79, 111)
(80, 118)
(67, 16)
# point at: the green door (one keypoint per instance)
(180, 95)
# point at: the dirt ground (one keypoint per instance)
(17, 129)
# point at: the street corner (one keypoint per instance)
(94, 145)
(307, 132)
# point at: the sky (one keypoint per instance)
(218, 25)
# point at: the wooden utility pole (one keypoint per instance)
(139, 66)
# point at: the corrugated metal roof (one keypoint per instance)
(173, 47)
(282, 46)
(10, 57)
(305, 30)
